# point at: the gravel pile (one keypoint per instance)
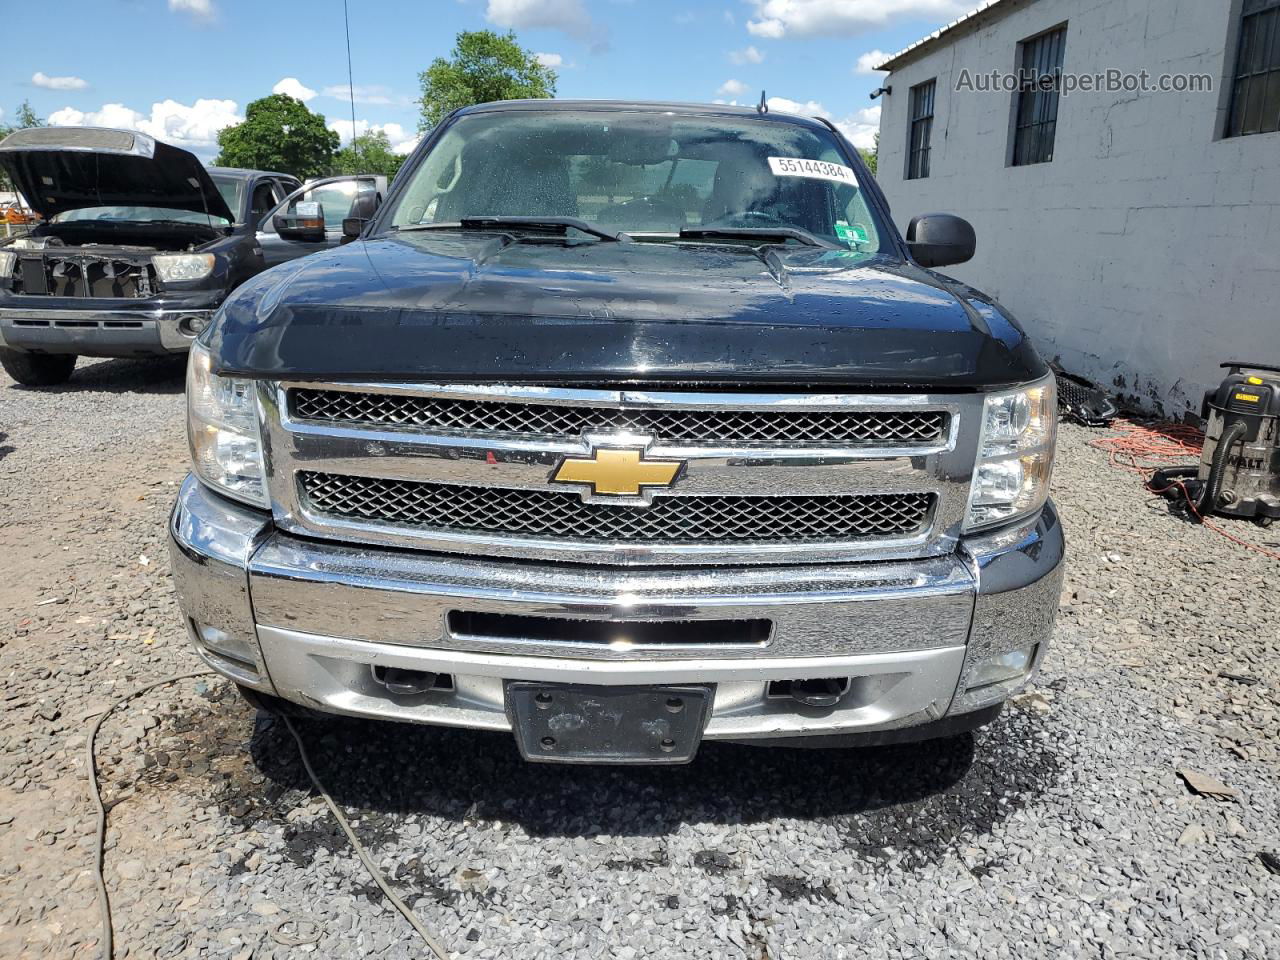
(1063, 829)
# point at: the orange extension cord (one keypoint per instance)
(1143, 449)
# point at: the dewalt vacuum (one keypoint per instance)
(1239, 471)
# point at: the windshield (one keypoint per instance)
(138, 215)
(647, 174)
(231, 191)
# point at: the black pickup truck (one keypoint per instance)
(622, 426)
(138, 243)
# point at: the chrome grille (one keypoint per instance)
(669, 520)
(768, 476)
(721, 427)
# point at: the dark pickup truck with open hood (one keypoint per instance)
(623, 426)
(138, 243)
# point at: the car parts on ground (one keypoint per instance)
(1083, 402)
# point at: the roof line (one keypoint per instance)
(645, 106)
(918, 47)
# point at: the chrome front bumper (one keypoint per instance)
(119, 331)
(306, 621)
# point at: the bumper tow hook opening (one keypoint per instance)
(820, 692)
(404, 683)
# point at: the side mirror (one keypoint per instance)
(305, 222)
(352, 227)
(362, 211)
(941, 239)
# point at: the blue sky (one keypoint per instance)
(182, 69)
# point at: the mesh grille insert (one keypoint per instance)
(559, 420)
(563, 515)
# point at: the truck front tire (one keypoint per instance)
(38, 369)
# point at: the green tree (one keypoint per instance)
(24, 117)
(483, 66)
(279, 133)
(872, 156)
(369, 153)
(27, 117)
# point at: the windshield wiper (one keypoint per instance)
(764, 234)
(559, 226)
(187, 223)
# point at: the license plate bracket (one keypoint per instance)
(577, 723)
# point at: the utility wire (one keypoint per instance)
(434, 945)
(104, 900)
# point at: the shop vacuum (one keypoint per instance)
(1239, 471)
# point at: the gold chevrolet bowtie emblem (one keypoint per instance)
(618, 472)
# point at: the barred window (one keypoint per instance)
(921, 129)
(1037, 116)
(1255, 96)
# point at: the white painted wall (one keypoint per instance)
(1148, 250)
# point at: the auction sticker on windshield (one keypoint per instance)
(814, 169)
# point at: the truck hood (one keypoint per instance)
(67, 168)
(480, 307)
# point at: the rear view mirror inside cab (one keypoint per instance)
(641, 149)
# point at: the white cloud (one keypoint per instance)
(194, 127)
(569, 16)
(111, 115)
(732, 88)
(808, 18)
(368, 93)
(746, 55)
(199, 123)
(199, 9)
(294, 88)
(861, 128)
(549, 59)
(402, 141)
(807, 108)
(868, 62)
(769, 29)
(57, 83)
(343, 128)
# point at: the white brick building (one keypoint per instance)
(1137, 237)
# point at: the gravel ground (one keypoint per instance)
(1061, 830)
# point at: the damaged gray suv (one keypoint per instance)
(138, 243)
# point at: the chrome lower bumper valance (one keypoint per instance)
(310, 621)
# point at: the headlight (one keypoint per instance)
(172, 267)
(1015, 455)
(7, 259)
(222, 426)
